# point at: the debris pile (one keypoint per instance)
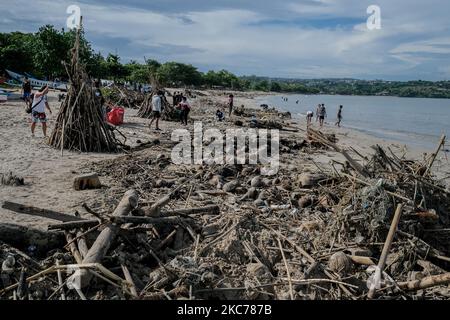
(121, 96)
(375, 228)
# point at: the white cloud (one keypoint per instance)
(238, 38)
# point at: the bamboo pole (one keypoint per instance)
(385, 252)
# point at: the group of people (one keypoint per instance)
(321, 114)
(180, 102)
(177, 98)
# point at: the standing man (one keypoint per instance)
(230, 104)
(26, 91)
(39, 105)
(339, 117)
(322, 114)
(174, 98)
(156, 109)
(317, 112)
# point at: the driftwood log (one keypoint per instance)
(96, 253)
(427, 282)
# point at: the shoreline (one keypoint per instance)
(362, 141)
(421, 142)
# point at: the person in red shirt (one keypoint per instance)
(185, 109)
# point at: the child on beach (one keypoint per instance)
(219, 115)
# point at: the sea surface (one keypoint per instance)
(416, 122)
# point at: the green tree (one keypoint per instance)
(50, 49)
(16, 52)
(114, 68)
(262, 85)
(275, 86)
(175, 73)
(96, 66)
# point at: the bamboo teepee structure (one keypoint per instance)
(80, 124)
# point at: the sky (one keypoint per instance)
(276, 38)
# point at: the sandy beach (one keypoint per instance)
(48, 173)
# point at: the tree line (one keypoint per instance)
(42, 53)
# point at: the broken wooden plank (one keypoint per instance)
(87, 181)
(38, 212)
(73, 225)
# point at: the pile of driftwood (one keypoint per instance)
(367, 228)
(242, 111)
(122, 96)
(80, 124)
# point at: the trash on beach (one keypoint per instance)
(378, 229)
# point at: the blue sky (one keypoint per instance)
(285, 38)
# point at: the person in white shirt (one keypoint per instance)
(156, 109)
(38, 107)
(322, 114)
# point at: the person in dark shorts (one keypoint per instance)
(26, 88)
(174, 98)
(156, 109)
(339, 117)
(322, 113)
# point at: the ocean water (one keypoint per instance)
(413, 121)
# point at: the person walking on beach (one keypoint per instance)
(230, 104)
(185, 109)
(322, 112)
(317, 112)
(339, 116)
(156, 109)
(175, 98)
(309, 116)
(26, 91)
(38, 107)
